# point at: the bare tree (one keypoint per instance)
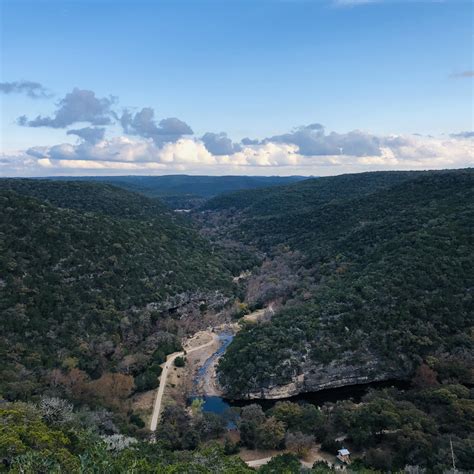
(56, 410)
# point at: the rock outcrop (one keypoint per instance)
(341, 373)
(189, 303)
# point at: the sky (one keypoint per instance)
(254, 87)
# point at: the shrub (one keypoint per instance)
(137, 421)
(330, 445)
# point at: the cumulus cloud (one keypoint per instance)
(77, 106)
(424, 152)
(143, 124)
(89, 134)
(37, 152)
(19, 164)
(249, 141)
(32, 89)
(307, 150)
(466, 134)
(117, 149)
(313, 141)
(220, 144)
(266, 155)
(126, 150)
(127, 153)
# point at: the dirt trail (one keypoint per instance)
(209, 384)
(314, 455)
(164, 376)
(259, 314)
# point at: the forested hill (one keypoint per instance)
(307, 194)
(80, 265)
(185, 191)
(391, 281)
(89, 197)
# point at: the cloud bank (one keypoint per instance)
(361, 152)
(146, 145)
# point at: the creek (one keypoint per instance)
(222, 406)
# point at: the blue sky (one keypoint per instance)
(254, 69)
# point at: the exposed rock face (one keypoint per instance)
(190, 302)
(340, 373)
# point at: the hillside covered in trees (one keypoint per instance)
(90, 278)
(183, 191)
(388, 267)
(369, 277)
(399, 432)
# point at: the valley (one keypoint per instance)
(236, 237)
(293, 320)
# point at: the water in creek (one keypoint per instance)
(215, 404)
(222, 406)
(355, 393)
(225, 338)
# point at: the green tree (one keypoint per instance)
(282, 464)
(270, 434)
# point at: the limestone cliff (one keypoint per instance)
(340, 373)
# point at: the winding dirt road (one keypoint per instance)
(164, 376)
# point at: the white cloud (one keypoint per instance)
(136, 155)
(186, 151)
(266, 155)
(45, 163)
(108, 165)
(76, 106)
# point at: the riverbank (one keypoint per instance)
(205, 382)
(197, 342)
(202, 352)
(205, 379)
(198, 377)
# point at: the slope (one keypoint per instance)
(185, 191)
(392, 277)
(86, 284)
